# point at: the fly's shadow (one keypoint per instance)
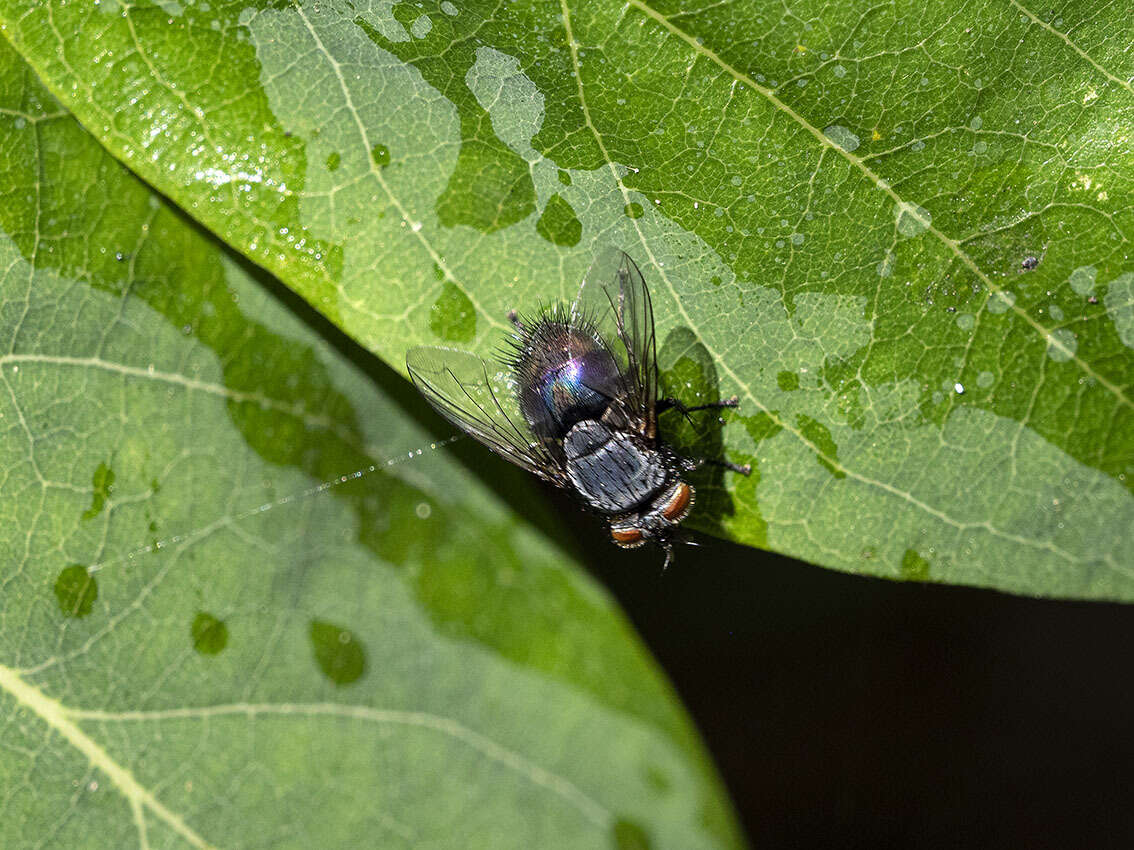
(689, 375)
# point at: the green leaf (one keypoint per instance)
(899, 233)
(214, 634)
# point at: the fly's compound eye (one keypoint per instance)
(627, 536)
(678, 503)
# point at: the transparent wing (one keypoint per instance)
(614, 297)
(461, 388)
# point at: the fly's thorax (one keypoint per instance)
(654, 521)
(614, 471)
(564, 374)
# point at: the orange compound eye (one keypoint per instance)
(628, 537)
(677, 506)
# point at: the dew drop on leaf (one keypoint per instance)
(842, 137)
(1082, 280)
(912, 220)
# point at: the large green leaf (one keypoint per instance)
(900, 232)
(209, 640)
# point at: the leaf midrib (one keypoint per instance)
(63, 720)
(905, 206)
(57, 717)
(723, 362)
(1062, 36)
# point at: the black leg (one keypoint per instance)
(692, 463)
(739, 469)
(665, 404)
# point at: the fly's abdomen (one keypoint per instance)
(609, 470)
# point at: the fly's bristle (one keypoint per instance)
(551, 324)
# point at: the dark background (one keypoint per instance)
(848, 712)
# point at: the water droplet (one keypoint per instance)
(959, 388)
(1055, 311)
(1120, 307)
(1082, 280)
(839, 71)
(1061, 345)
(842, 137)
(381, 155)
(985, 379)
(966, 321)
(912, 219)
(1000, 302)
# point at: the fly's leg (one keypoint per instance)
(692, 463)
(514, 318)
(665, 404)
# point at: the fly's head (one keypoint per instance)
(655, 522)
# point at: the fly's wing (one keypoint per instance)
(460, 388)
(614, 298)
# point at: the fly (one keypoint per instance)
(575, 402)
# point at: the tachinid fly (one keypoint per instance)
(575, 401)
